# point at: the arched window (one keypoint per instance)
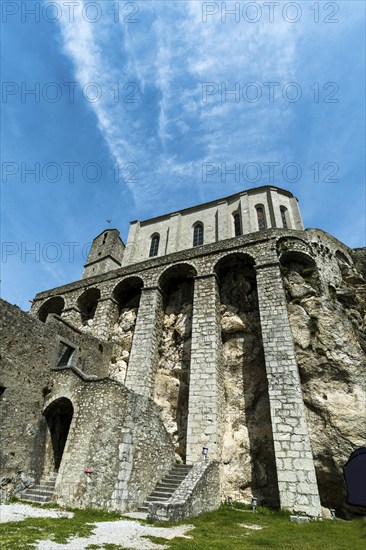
(284, 217)
(261, 217)
(154, 246)
(198, 234)
(237, 224)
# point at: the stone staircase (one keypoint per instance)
(41, 493)
(167, 486)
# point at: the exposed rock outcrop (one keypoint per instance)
(329, 335)
(122, 335)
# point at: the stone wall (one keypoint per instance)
(199, 493)
(30, 350)
(116, 434)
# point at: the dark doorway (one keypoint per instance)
(58, 417)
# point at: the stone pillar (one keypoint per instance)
(105, 315)
(72, 316)
(205, 381)
(144, 355)
(297, 483)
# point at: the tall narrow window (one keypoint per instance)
(154, 247)
(198, 234)
(283, 217)
(237, 224)
(261, 217)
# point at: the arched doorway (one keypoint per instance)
(58, 416)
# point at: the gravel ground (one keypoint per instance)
(18, 512)
(125, 533)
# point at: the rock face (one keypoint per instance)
(122, 335)
(171, 391)
(247, 453)
(329, 335)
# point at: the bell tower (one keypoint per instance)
(105, 255)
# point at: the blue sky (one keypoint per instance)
(149, 97)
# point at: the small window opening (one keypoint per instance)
(198, 235)
(65, 355)
(105, 238)
(154, 246)
(2, 389)
(261, 218)
(237, 224)
(283, 217)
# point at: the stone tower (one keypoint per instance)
(105, 254)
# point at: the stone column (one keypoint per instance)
(105, 315)
(72, 316)
(297, 483)
(144, 355)
(205, 382)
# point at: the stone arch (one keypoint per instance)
(342, 258)
(248, 448)
(58, 415)
(292, 244)
(127, 292)
(55, 305)
(171, 387)
(300, 274)
(175, 273)
(87, 304)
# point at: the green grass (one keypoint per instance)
(220, 530)
(223, 530)
(19, 535)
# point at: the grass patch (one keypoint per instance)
(225, 529)
(23, 534)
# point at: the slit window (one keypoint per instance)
(237, 224)
(283, 217)
(154, 246)
(198, 234)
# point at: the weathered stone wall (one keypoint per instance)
(29, 350)
(198, 493)
(119, 436)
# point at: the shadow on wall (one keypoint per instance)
(248, 450)
(58, 416)
(171, 391)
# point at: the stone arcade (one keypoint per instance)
(224, 326)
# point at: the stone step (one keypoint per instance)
(162, 494)
(37, 489)
(167, 486)
(42, 492)
(152, 498)
(163, 490)
(34, 497)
